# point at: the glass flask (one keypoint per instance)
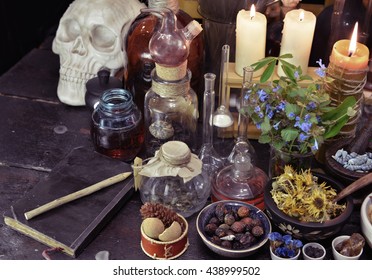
(117, 126)
(140, 62)
(212, 162)
(241, 179)
(174, 177)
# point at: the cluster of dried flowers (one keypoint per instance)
(299, 195)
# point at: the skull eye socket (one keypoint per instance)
(102, 38)
(69, 30)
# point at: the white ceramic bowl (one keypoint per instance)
(337, 255)
(365, 223)
(314, 245)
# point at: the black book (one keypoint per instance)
(73, 225)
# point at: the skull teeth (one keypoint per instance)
(74, 76)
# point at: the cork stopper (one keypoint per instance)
(171, 73)
(174, 158)
(176, 152)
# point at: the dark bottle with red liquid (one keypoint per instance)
(117, 125)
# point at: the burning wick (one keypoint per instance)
(252, 12)
(353, 41)
(302, 16)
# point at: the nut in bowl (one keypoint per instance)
(232, 228)
(299, 222)
(163, 232)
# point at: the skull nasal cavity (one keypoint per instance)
(78, 47)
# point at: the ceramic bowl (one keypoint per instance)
(337, 255)
(161, 250)
(308, 230)
(208, 212)
(365, 223)
(317, 246)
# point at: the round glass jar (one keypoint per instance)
(174, 177)
(117, 126)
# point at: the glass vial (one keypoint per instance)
(212, 162)
(117, 126)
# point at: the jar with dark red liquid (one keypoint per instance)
(117, 125)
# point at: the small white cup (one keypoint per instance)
(315, 245)
(337, 255)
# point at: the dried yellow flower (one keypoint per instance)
(299, 195)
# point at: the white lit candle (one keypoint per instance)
(298, 33)
(250, 39)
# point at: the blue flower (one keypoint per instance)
(281, 106)
(275, 89)
(269, 111)
(311, 105)
(275, 236)
(257, 109)
(303, 137)
(320, 71)
(296, 74)
(306, 126)
(291, 115)
(262, 95)
(287, 239)
(315, 147)
(297, 243)
(283, 245)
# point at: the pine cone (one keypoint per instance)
(158, 210)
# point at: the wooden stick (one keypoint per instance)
(73, 196)
(353, 187)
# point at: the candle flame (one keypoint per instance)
(353, 41)
(302, 16)
(252, 11)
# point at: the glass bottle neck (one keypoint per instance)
(116, 101)
(171, 4)
(167, 88)
(208, 107)
(243, 120)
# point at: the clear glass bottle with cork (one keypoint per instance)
(171, 105)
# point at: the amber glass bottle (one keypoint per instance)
(140, 63)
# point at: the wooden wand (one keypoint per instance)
(73, 196)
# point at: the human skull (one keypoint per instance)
(90, 36)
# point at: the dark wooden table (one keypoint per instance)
(31, 145)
